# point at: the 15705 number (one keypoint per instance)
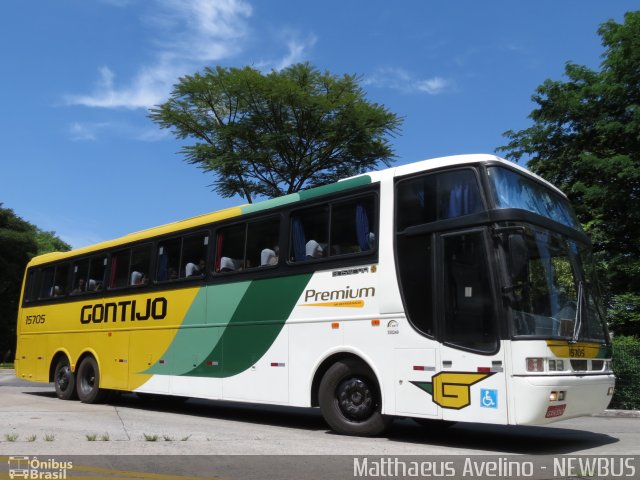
(35, 319)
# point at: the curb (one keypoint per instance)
(619, 414)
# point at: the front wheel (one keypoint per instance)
(64, 380)
(88, 382)
(350, 400)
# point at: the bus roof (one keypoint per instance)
(208, 218)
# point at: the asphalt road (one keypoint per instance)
(34, 422)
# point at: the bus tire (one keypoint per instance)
(88, 382)
(64, 380)
(350, 401)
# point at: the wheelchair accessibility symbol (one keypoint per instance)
(488, 398)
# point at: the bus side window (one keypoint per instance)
(80, 275)
(416, 267)
(45, 284)
(120, 261)
(168, 260)
(140, 265)
(352, 227)
(437, 196)
(97, 272)
(309, 234)
(194, 254)
(263, 238)
(29, 289)
(60, 284)
(230, 249)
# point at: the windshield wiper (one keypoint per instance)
(577, 323)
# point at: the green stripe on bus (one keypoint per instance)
(267, 204)
(254, 326)
(307, 194)
(194, 339)
(335, 187)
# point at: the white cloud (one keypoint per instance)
(432, 86)
(297, 51)
(92, 131)
(81, 132)
(201, 31)
(401, 80)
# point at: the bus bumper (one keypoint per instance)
(535, 403)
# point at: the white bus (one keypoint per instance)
(456, 289)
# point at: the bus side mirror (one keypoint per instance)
(518, 257)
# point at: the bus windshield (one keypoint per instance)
(552, 291)
(513, 190)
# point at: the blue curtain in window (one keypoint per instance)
(298, 240)
(163, 264)
(362, 227)
(456, 199)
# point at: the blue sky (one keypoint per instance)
(79, 155)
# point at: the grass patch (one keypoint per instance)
(11, 437)
(91, 437)
(6, 365)
(184, 439)
(105, 437)
(150, 437)
(49, 437)
(167, 438)
(32, 438)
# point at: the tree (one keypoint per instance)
(277, 133)
(19, 242)
(585, 139)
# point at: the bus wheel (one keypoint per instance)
(88, 381)
(64, 380)
(350, 400)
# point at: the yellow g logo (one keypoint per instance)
(452, 389)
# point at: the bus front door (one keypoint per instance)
(470, 384)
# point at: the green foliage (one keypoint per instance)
(624, 312)
(626, 366)
(277, 133)
(19, 242)
(585, 139)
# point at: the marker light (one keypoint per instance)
(553, 396)
(610, 391)
(535, 364)
(556, 365)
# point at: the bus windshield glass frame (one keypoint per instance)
(553, 290)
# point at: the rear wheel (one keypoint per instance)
(350, 400)
(64, 380)
(88, 382)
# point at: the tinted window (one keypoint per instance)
(415, 268)
(194, 254)
(469, 320)
(248, 245)
(89, 275)
(168, 260)
(130, 267)
(340, 228)
(437, 196)
(263, 238)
